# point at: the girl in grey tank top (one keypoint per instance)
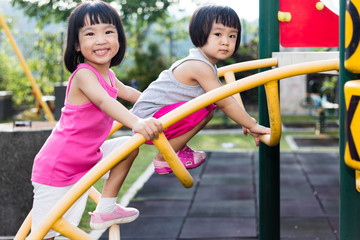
(215, 31)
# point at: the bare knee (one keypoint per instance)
(210, 115)
(133, 154)
(207, 118)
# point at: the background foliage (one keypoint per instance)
(153, 38)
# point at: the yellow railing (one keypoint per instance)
(228, 72)
(269, 78)
(35, 87)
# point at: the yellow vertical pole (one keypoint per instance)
(35, 88)
(173, 160)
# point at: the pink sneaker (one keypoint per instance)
(119, 215)
(189, 158)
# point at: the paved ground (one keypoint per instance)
(222, 203)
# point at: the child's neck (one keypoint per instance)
(103, 70)
(213, 61)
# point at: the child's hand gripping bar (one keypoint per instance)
(272, 97)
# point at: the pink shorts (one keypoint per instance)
(185, 124)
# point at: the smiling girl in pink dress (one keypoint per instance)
(96, 41)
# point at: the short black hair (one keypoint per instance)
(203, 18)
(98, 12)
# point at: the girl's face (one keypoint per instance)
(220, 43)
(98, 43)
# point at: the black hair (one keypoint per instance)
(98, 12)
(203, 18)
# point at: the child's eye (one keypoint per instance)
(109, 32)
(232, 36)
(218, 34)
(89, 34)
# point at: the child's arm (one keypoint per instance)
(126, 92)
(197, 72)
(85, 87)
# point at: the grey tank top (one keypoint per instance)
(166, 90)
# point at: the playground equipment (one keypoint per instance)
(269, 223)
(36, 89)
(269, 78)
(163, 145)
(352, 98)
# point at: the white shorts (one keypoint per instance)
(45, 196)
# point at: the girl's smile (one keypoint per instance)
(98, 43)
(101, 52)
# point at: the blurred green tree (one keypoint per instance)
(44, 54)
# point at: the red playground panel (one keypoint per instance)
(309, 26)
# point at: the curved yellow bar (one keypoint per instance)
(273, 102)
(35, 88)
(24, 228)
(85, 183)
(70, 231)
(173, 160)
(229, 78)
(26, 225)
(272, 97)
(116, 126)
(249, 65)
(114, 232)
(245, 84)
(227, 71)
(55, 214)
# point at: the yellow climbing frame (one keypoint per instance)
(269, 78)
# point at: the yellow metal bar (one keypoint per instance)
(24, 228)
(84, 184)
(229, 78)
(175, 164)
(94, 194)
(68, 230)
(35, 88)
(244, 66)
(177, 114)
(245, 84)
(228, 73)
(272, 97)
(114, 232)
(116, 126)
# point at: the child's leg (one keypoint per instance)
(119, 172)
(107, 211)
(45, 197)
(117, 176)
(180, 141)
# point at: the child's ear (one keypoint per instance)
(77, 47)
